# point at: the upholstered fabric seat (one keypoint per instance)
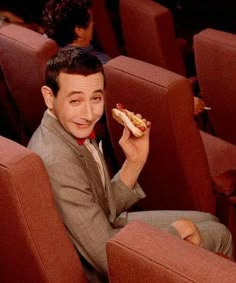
(215, 53)
(104, 30)
(34, 243)
(176, 148)
(149, 35)
(23, 57)
(183, 162)
(142, 253)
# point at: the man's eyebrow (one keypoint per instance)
(99, 90)
(81, 92)
(74, 92)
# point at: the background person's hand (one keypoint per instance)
(199, 105)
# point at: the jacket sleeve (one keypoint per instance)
(124, 196)
(85, 220)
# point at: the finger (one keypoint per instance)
(149, 124)
(126, 133)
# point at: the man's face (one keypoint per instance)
(79, 103)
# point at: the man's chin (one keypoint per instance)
(82, 134)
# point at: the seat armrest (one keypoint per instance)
(221, 155)
(225, 183)
(139, 253)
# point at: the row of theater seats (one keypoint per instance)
(154, 41)
(186, 169)
(26, 105)
(35, 246)
(23, 58)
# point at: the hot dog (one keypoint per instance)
(125, 117)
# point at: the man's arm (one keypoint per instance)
(124, 196)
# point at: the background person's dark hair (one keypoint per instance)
(71, 61)
(28, 10)
(60, 17)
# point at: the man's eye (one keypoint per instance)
(97, 98)
(74, 101)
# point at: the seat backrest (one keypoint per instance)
(34, 244)
(215, 57)
(23, 57)
(142, 253)
(149, 34)
(176, 175)
(104, 29)
(9, 115)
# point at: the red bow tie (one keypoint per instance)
(92, 136)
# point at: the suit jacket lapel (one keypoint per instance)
(96, 181)
(85, 156)
(110, 197)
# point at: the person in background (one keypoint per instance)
(70, 24)
(23, 12)
(92, 206)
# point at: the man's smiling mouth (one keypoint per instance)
(83, 125)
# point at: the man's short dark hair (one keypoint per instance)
(61, 17)
(71, 61)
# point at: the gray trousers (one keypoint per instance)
(216, 237)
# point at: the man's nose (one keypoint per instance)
(87, 112)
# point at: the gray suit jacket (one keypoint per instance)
(91, 213)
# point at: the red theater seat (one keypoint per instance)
(23, 57)
(104, 30)
(183, 163)
(34, 243)
(215, 53)
(149, 35)
(35, 246)
(139, 253)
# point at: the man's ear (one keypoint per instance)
(79, 32)
(48, 96)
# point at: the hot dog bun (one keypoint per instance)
(125, 117)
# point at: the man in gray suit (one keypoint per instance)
(92, 206)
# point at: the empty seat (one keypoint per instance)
(104, 30)
(149, 34)
(23, 57)
(215, 55)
